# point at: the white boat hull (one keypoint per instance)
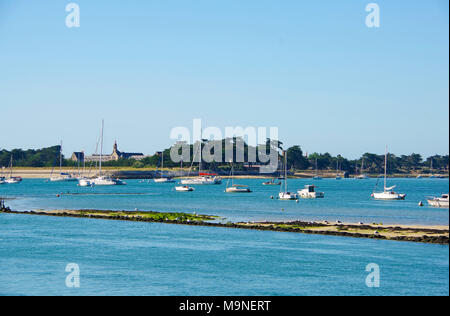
(164, 180)
(85, 183)
(441, 202)
(238, 190)
(13, 181)
(62, 179)
(311, 195)
(388, 196)
(104, 181)
(184, 189)
(287, 196)
(201, 181)
(438, 203)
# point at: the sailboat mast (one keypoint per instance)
(285, 171)
(385, 167)
(11, 167)
(317, 168)
(101, 150)
(60, 158)
(232, 174)
(200, 158)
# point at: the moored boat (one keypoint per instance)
(316, 176)
(441, 202)
(85, 182)
(236, 188)
(11, 179)
(184, 188)
(162, 178)
(309, 192)
(272, 182)
(61, 177)
(203, 180)
(388, 193)
(102, 180)
(286, 195)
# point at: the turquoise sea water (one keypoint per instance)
(347, 200)
(127, 258)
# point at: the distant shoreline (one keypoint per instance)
(421, 234)
(148, 173)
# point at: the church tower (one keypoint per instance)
(116, 153)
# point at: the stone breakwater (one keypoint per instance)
(395, 233)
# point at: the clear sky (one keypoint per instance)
(311, 68)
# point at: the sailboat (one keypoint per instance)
(11, 179)
(62, 177)
(103, 180)
(84, 181)
(338, 177)
(362, 176)
(388, 193)
(286, 195)
(235, 188)
(432, 176)
(163, 179)
(281, 175)
(317, 177)
(202, 179)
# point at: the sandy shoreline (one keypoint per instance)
(45, 173)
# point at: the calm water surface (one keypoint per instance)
(346, 200)
(126, 258)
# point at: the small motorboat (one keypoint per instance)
(184, 188)
(441, 202)
(309, 192)
(238, 189)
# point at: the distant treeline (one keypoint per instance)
(46, 157)
(296, 160)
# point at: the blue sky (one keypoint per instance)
(311, 68)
